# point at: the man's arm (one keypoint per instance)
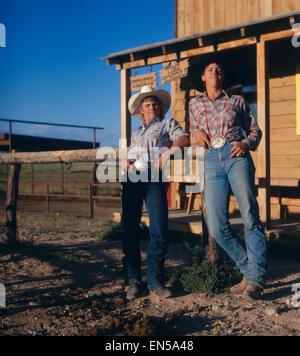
(181, 142)
(200, 136)
(251, 127)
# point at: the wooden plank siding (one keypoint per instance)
(284, 141)
(298, 99)
(196, 16)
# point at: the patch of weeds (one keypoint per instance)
(195, 249)
(202, 276)
(110, 230)
(208, 277)
(113, 231)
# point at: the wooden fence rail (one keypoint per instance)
(15, 159)
(51, 157)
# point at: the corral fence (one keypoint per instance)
(91, 197)
(15, 160)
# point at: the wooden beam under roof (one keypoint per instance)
(227, 34)
(188, 53)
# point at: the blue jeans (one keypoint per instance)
(155, 198)
(221, 173)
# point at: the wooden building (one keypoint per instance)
(262, 39)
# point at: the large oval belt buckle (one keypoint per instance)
(218, 141)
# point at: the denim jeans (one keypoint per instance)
(154, 195)
(221, 173)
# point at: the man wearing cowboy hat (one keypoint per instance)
(153, 136)
(225, 126)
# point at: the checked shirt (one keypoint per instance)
(229, 116)
(148, 141)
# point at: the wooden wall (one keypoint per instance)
(196, 16)
(284, 143)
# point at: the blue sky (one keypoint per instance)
(50, 69)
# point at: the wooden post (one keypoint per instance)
(298, 98)
(212, 249)
(32, 178)
(263, 122)
(91, 204)
(125, 114)
(11, 203)
(47, 199)
(10, 136)
(94, 178)
(62, 178)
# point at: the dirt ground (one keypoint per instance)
(63, 281)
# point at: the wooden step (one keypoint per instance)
(183, 224)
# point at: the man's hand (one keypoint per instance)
(126, 164)
(202, 139)
(176, 148)
(239, 149)
(161, 161)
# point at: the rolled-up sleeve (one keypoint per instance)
(175, 130)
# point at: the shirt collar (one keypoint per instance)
(143, 126)
(223, 93)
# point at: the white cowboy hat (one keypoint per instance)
(135, 101)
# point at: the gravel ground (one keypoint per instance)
(70, 283)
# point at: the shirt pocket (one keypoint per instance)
(154, 135)
(201, 112)
(160, 138)
(199, 121)
(229, 114)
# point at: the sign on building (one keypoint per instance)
(176, 70)
(137, 82)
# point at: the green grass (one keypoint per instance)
(38, 222)
(111, 230)
(79, 172)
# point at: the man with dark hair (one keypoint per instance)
(225, 126)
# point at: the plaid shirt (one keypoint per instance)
(229, 116)
(158, 134)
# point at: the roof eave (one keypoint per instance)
(253, 28)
